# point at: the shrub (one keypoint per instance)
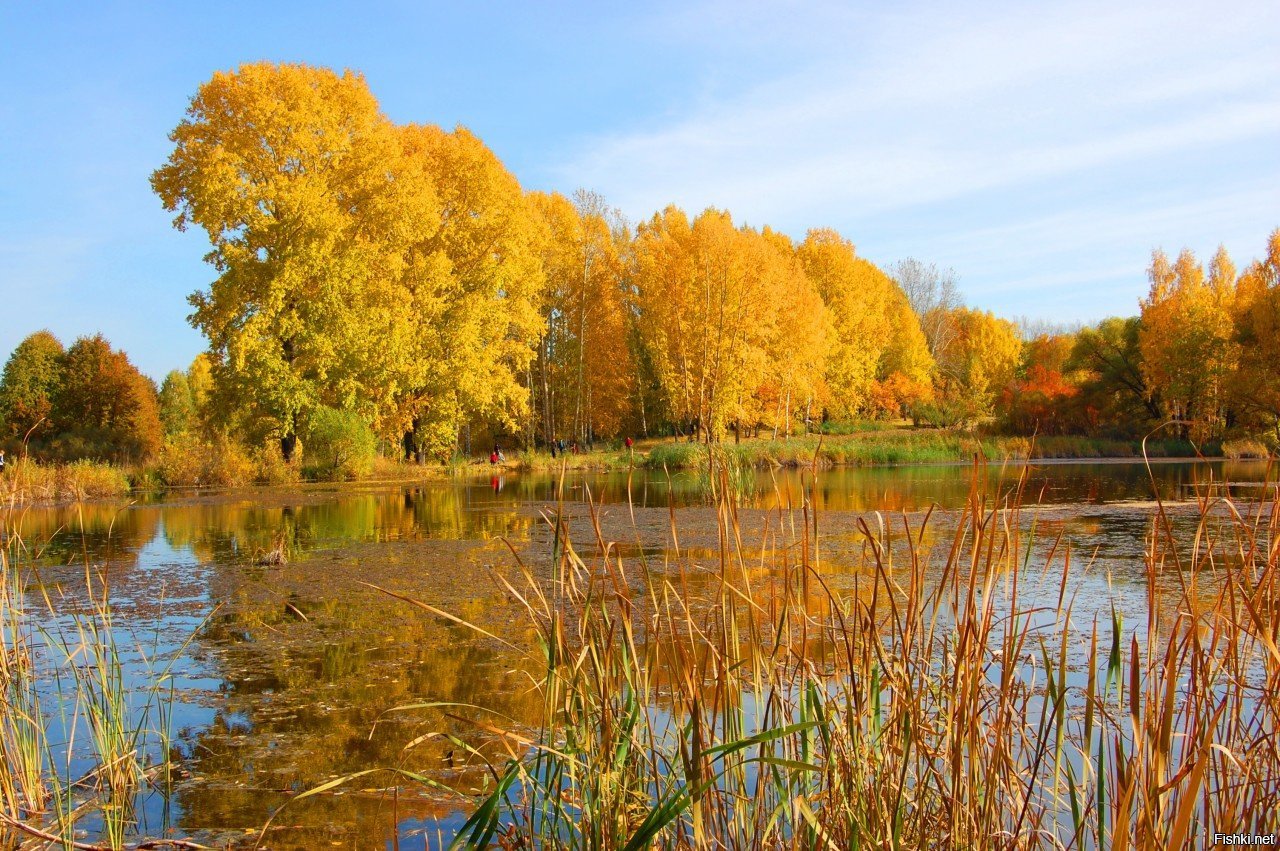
(340, 444)
(205, 463)
(1245, 448)
(269, 466)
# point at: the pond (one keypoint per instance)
(288, 673)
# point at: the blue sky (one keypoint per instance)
(1042, 151)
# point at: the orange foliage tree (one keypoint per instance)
(104, 407)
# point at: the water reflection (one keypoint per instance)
(294, 666)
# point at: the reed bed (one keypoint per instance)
(80, 741)
(924, 704)
(27, 482)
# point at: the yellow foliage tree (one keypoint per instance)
(708, 295)
(585, 376)
(1255, 388)
(475, 283)
(875, 335)
(798, 350)
(1186, 340)
(295, 175)
(978, 361)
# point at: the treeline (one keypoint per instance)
(400, 274)
(1202, 357)
(390, 283)
(86, 401)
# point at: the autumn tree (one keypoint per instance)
(796, 387)
(474, 286)
(105, 408)
(877, 357)
(32, 377)
(904, 376)
(1186, 340)
(310, 207)
(585, 378)
(707, 295)
(934, 297)
(1255, 385)
(200, 387)
(977, 362)
(1041, 396)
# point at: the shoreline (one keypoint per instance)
(479, 470)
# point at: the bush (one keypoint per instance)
(1237, 450)
(270, 468)
(199, 463)
(340, 444)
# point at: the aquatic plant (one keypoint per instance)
(64, 699)
(925, 704)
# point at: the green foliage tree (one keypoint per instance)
(31, 381)
(177, 407)
(1114, 395)
(339, 443)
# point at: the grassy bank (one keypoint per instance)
(908, 447)
(229, 466)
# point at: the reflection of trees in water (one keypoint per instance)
(104, 532)
(916, 488)
(312, 660)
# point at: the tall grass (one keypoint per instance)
(66, 701)
(933, 446)
(26, 482)
(743, 701)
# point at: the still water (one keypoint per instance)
(286, 676)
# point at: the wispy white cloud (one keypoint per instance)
(885, 112)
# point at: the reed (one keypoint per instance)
(26, 482)
(65, 697)
(744, 700)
